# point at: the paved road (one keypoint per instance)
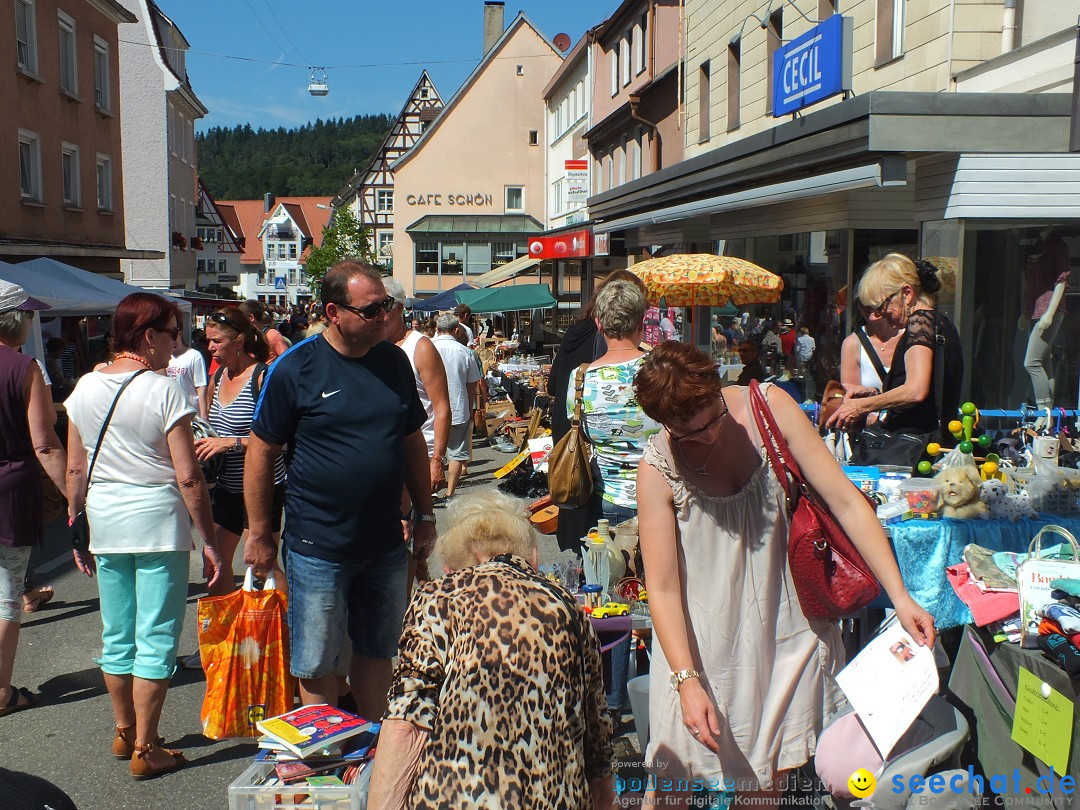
(67, 737)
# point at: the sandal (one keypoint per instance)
(13, 705)
(36, 597)
(123, 745)
(142, 769)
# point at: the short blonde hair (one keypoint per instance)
(888, 275)
(484, 524)
(620, 308)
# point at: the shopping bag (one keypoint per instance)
(244, 643)
(1034, 575)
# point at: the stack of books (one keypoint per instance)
(320, 744)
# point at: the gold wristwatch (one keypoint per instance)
(680, 677)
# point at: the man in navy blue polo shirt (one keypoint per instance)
(345, 404)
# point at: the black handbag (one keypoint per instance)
(80, 526)
(876, 446)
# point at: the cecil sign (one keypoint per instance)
(813, 67)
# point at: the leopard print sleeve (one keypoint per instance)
(422, 662)
(598, 728)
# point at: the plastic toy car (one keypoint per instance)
(610, 609)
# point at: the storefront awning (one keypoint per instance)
(475, 223)
(505, 272)
(889, 171)
(508, 299)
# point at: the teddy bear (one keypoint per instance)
(1004, 506)
(960, 493)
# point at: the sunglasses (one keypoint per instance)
(693, 434)
(219, 317)
(880, 308)
(371, 311)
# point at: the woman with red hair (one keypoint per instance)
(742, 681)
(144, 488)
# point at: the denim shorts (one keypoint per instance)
(365, 597)
(13, 562)
(230, 514)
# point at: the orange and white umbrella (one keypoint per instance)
(701, 279)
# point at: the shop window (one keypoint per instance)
(427, 258)
(478, 258)
(704, 93)
(734, 84)
(453, 258)
(26, 35)
(774, 38)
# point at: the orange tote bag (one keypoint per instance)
(244, 643)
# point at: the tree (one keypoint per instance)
(344, 238)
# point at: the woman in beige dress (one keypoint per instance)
(742, 682)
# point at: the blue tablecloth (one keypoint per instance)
(925, 547)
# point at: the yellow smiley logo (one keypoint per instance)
(861, 783)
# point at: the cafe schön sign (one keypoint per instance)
(462, 200)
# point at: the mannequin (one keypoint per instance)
(1046, 277)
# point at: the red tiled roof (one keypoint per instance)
(250, 216)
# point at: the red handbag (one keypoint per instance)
(831, 578)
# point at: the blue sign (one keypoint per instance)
(279, 283)
(813, 67)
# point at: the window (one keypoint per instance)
(386, 244)
(30, 166)
(260, 279)
(515, 198)
(172, 213)
(825, 9)
(384, 200)
(170, 125)
(200, 265)
(69, 77)
(478, 258)
(704, 95)
(774, 38)
(292, 277)
(427, 258)
(889, 31)
(534, 137)
(614, 57)
(624, 56)
(25, 35)
(292, 250)
(101, 74)
(423, 92)
(557, 197)
(453, 258)
(270, 251)
(734, 82)
(222, 267)
(282, 251)
(520, 70)
(104, 183)
(641, 53)
(69, 165)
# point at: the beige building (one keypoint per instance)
(471, 191)
(952, 143)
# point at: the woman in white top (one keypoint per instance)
(146, 488)
(858, 372)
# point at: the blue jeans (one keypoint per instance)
(365, 597)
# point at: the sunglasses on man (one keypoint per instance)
(371, 311)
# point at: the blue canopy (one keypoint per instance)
(447, 299)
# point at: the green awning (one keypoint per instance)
(508, 299)
(476, 223)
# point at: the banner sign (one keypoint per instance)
(567, 245)
(228, 278)
(813, 67)
(577, 181)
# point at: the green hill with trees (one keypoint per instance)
(317, 159)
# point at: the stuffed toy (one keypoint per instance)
(1004, 506)
(960, 493)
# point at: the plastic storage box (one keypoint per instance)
(257, 788)
(923, 496)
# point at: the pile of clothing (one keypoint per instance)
(1059, 625)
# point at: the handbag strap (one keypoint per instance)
(108, 418)
(576, 430)
(776, 447)
(871, 352)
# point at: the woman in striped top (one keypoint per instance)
(241, 351)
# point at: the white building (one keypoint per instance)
(158, 131)
(567, 99)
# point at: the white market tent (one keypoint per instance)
(69, 291)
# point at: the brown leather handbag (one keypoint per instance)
(569, 475)
(831, 578)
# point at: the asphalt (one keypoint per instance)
(66, 738)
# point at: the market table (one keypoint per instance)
(925, 547)
(521, 394)
(984, 677)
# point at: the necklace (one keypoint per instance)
(701, 470)
(134, 357)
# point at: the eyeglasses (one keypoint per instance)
(693, 434)
(880, 308)
(371, 311)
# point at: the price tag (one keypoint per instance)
(1043, 721)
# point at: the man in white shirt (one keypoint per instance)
(463, 313)
(188, 370)
(462, 376)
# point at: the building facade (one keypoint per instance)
(64, 199)
(471, 191)
(213, 244)
(951, 143)
(160, 110)
(370, 193)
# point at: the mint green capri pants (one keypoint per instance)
(143, 597)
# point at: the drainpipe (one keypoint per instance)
(1008, 26)
(635, 100)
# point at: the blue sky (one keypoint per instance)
(445, 36)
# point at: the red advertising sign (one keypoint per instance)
(564, 246)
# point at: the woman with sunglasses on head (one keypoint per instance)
(241, 352)
(915, 398)
(742, 682)
(145, 488)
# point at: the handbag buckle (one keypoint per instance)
(821, 548)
